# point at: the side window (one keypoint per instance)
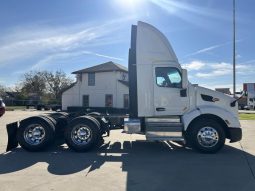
(91, 79)
(85, 101)
(108, 100)
(79, 77)
(168, 77)
(126, 101)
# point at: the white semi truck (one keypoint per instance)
(164, 106)
(249, 88)
(248, 100)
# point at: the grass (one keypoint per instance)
(247, 116)
(11, 108)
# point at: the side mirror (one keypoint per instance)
(185, 81)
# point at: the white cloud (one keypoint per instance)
(174, 7)
(103, 55)
(194, 14)
(221, 66)
(207, 49)
(213, 47)
(249, 62)
(194, 65)
(20, 46)
(212, 74)
(238, 56)
(202, 69)
(67, 55)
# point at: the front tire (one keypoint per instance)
(207, 136)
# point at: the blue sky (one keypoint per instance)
(70, 35)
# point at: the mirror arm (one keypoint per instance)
(233, 103)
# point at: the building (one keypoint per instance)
(223, 90)
(249, 88)
(104, 85)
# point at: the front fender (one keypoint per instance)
(230, 119)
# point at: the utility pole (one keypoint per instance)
(234, 49)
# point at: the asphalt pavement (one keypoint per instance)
(128, 162)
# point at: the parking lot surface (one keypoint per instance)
(127, 162)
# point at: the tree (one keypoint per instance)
(44, 85)
(2, 90)
(33, 83)
(56, 83)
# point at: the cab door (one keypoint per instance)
(167, 91)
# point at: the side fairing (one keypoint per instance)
(152, 48)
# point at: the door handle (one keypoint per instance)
(160, 109)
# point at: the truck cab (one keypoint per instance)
(167, 105)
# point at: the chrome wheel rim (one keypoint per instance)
(34, 134)
(208, 137)
(81, 135)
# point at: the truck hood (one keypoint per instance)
(208, 97)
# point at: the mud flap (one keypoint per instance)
(12, 136)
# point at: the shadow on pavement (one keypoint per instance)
(149, 165)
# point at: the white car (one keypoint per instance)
(248, 107)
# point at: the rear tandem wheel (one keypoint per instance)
(82, 134)
(36, 133)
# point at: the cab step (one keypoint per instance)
(164, 129)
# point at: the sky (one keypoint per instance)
(70, 35)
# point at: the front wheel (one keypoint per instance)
(207, 136)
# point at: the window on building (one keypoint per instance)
(79, 77)
(126, 100)
(91, 79)
(85, 101)
(168, 77)
(108, 100)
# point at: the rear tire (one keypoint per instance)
(82, 135)
(62, 120)
(35, 133)
(206, 136)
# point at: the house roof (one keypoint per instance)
(126, 83)
(13, 94)
(105, 67)
(69, 87)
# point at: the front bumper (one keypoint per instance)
(234, 134)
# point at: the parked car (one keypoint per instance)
(248, 107)
(2, 107)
